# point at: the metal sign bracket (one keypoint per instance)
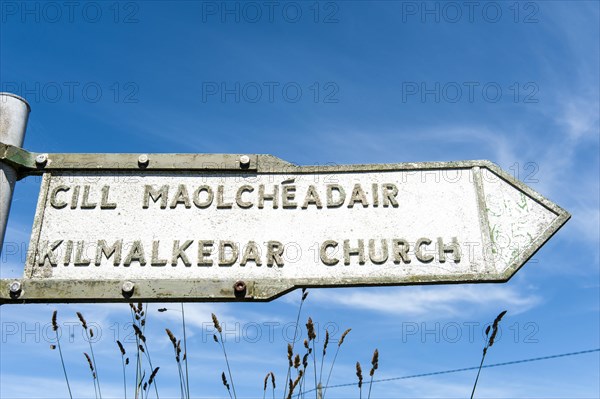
(30, 163)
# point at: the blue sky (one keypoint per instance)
(516, 83)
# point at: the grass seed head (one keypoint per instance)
(326, 342)
(121, 348)
(82, 320)
(89, 360)
(359, 374)
(290, 354)
(151, 379)
(310, 328)
(341, 341)
(374, 362)
(294, 383)
(171, 337)
(498, 318)
(139, 333)
(291, 389)
(297, 361)
(224, 380)
(495, 328)
(304, 294)
(54, 323)
(216, 323)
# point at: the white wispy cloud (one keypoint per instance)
(424, 302)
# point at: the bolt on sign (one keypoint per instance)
(183, 227)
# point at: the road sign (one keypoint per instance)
(219, 227)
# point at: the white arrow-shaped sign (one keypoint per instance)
(181, 233)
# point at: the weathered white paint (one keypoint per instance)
(498, 225)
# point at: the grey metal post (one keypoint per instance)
(14, 112)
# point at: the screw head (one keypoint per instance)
(244, 161)
(128, 287)
(143, 160)
(239, 286)
(15, 287)
(41, 159)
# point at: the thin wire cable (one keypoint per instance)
(535, 359)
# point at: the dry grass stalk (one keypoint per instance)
(89, 333)
(123, 364)
(337, 351)
(177, 350)
(374, 366)
(62, 360)
(325, 344)
(138, 323)
(360, 378)
(94, 376)
(294, 384)
(272, 376)
(488, 345)
(312, 335)
(303, 298)
(222, 343)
